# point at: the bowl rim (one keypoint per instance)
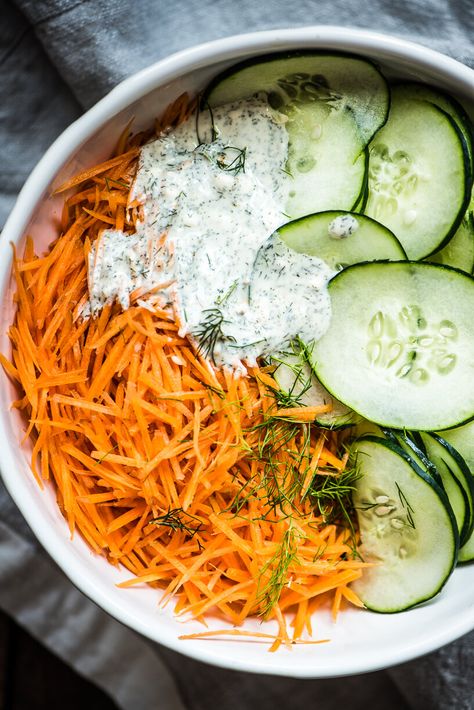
(384, 47)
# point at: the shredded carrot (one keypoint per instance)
(214, 635)
(306, 413)
(152, 450)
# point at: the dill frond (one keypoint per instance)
(178, 519)
(232, 159)
(269, 594)
(209, 332)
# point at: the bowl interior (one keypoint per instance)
(360, 640)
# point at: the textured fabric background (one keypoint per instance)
(57, 57)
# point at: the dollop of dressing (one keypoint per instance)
(203, 244)
(343, 226)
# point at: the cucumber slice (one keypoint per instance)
(457, 480)
(365, 428)
(334, 104)
(448, 104)
(466, 553)
(459, 251)
(326, 160)
(444, 468)
(400, 346)
(406, 526)
(459, 444)
(361, 202)
(344, 83)
(462, 440)
(400, 438)
(415, 436)
(419, 175)
(341, 238)
(298, 382)
(415, 452)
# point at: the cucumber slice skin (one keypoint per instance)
(416, 437)
(418, 455)
(459, 464)
(468, 171)
(370, 241)
(446, 103)
(462, 440)
(220, 91)
(365, 295)
(361, 203)
(419, 206)
(459, 251)
(403, 441)
(439, 536)
(455, 485)
(463, 472)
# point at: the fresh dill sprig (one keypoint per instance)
(285, 447)
(227, 294)
(234, 162)
(102, 458)
(278, 565)
(202, 105)
(209, 331)
(331, 494)
(280, 481)
(178, 519)
(407, 506)
(108, 180)
(292, 397)
(284, 465)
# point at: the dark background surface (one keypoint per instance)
(32, 678)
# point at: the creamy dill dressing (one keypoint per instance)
(343, 226)
(203, 245)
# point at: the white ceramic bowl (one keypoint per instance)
(360, 641)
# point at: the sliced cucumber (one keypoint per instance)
(365, 428)
(466, 553)
(415, 452)
(406, 526)
(333, 104)
(297, 381)
(419, 175)
(341, 238)
(344, 83)
(326, 159)
(405, 442)
(400, 346)
(363, 196)
(459, 251)
(448, 104)
(457, 481)
(462, 440)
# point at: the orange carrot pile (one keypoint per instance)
(163, 463)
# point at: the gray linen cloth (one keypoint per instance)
(57, 57)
